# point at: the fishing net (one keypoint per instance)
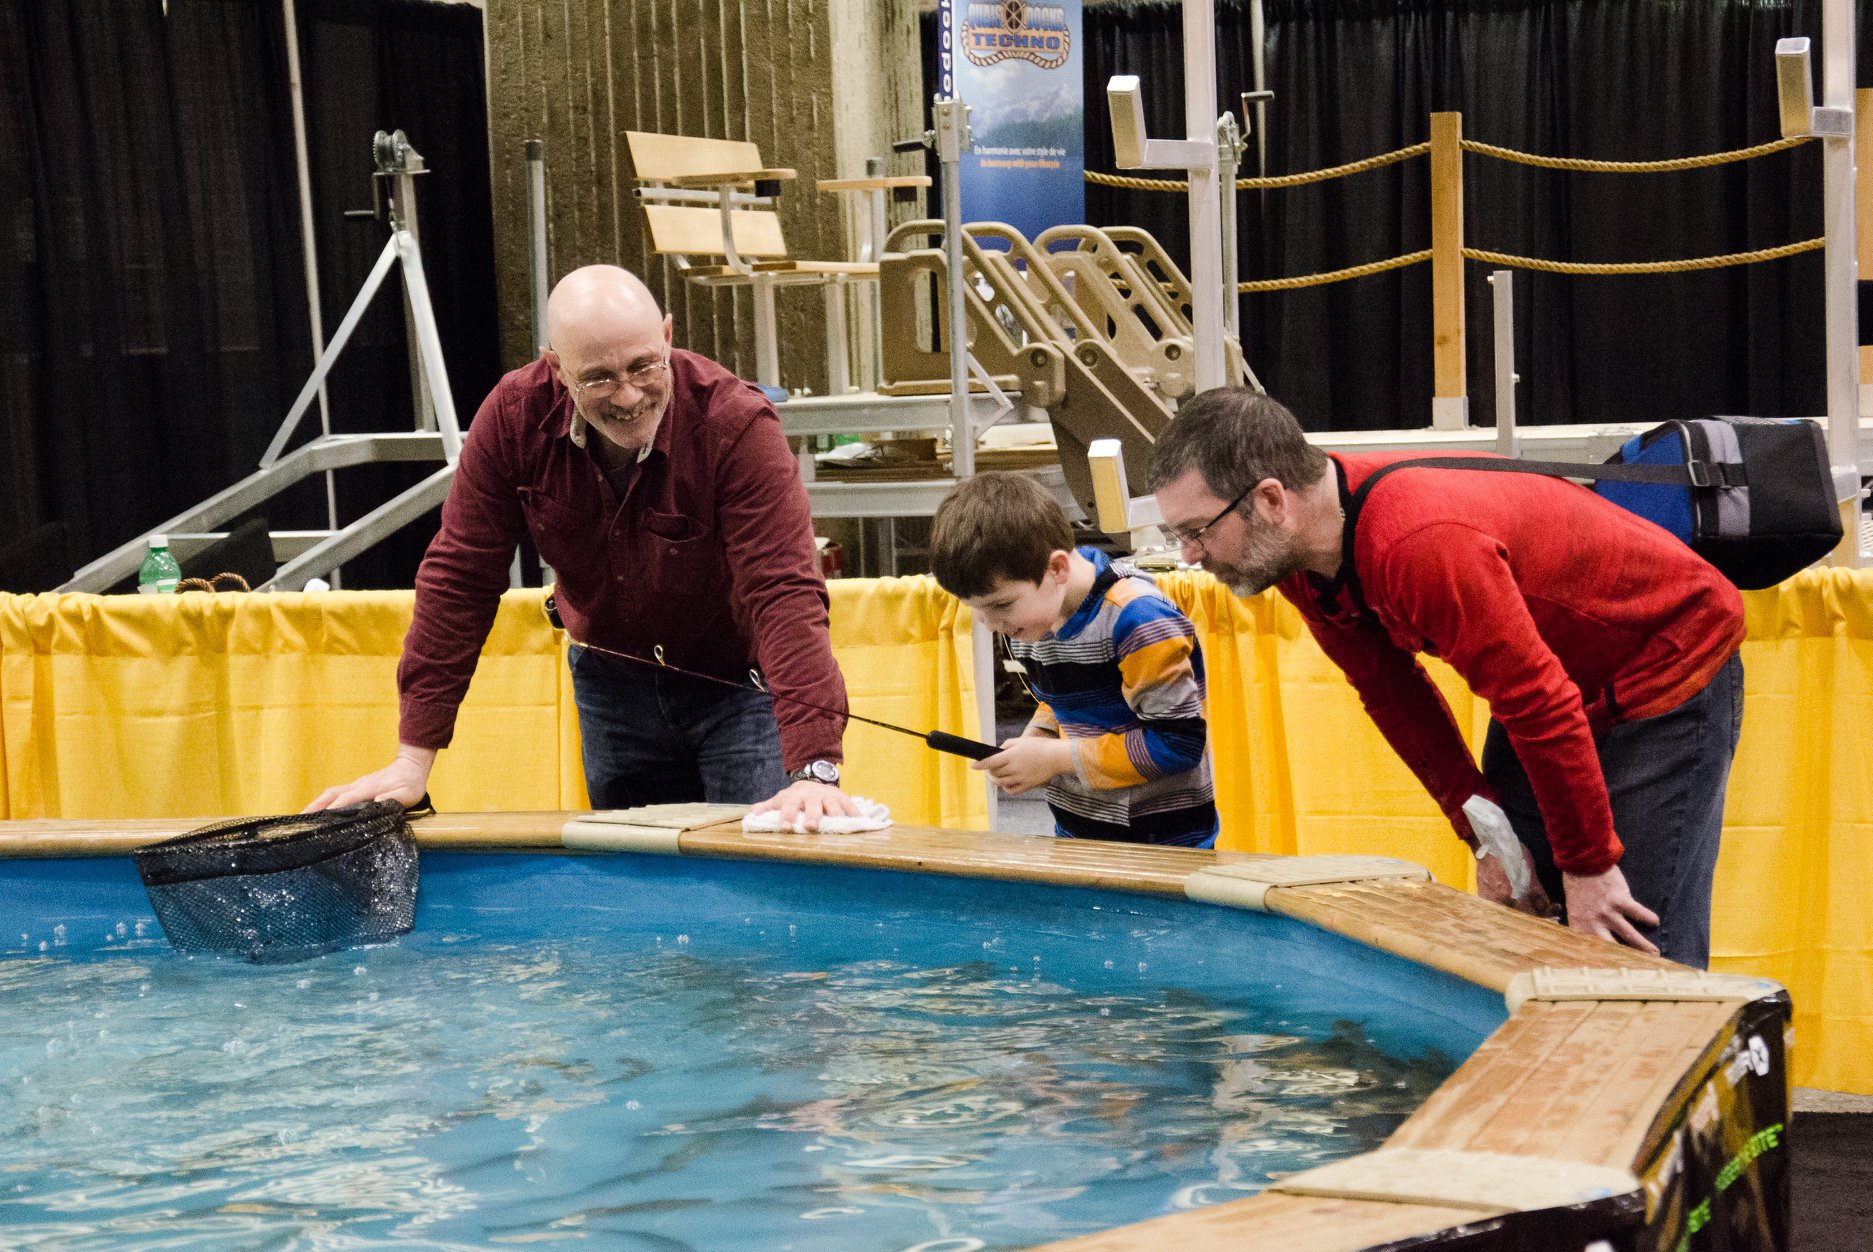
(275, 889)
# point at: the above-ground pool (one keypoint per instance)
(677, 1054)
(667, 1052)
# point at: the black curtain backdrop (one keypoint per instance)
(373, 65)
(1606, 79)
(153, 327)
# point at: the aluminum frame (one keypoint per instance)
(438, 437)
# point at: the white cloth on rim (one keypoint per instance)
(872, 816)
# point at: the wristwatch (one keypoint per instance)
(817, 771)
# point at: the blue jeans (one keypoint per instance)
(653, 737)
(1666, 777)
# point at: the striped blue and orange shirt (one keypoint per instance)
(1123, 680)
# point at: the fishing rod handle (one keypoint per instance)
(959, 746)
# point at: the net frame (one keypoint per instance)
(274, 889)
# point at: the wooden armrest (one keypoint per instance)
(860, 269)
(856, 268)
(873, 184)
(740, 178)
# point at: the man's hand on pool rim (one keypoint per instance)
(813, 799)
(404, 780)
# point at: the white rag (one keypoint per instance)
(1493, 834)
(872, 816)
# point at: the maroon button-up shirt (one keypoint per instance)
(709, 555)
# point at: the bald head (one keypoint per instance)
(609, 343)
(600, 304)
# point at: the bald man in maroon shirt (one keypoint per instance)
(659, 488)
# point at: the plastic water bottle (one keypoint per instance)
(159, 573)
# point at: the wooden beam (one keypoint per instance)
(1450, 402)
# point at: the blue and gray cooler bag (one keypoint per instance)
(1754, 496)
(1758, 500)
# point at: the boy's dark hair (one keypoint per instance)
(1235, 437)
(995, 528)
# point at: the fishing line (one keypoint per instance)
(942, 741)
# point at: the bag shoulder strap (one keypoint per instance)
(1693, 473)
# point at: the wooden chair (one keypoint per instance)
(709, 204)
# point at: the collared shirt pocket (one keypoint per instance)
(684, 560)
(674, 530)
(560, 531)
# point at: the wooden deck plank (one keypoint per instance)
(1667, 1040)
(1573, 1080)
(487, 831)
(973, 854)
(1314, 1223)
(1441, 927)
(1467, 1100)
(1582, 1074)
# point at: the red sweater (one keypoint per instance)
(1566, 613)
(709, 556)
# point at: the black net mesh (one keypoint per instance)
(285, 888)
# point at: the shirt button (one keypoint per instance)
(617, 578)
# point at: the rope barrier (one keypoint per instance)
(1135, 184)
(1333, 276)
(1631, 167)
(1468, 145)
(1535, 263)
(1338, 171)
(1643, 267)
(1479, 254)
(1263, 184)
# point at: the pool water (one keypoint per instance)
(654, 1054)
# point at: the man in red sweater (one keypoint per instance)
(659, 488)
(1606, 649)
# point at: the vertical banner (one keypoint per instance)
(1017, 65)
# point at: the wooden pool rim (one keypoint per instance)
(1585, 1094)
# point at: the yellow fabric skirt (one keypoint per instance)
(200, 705)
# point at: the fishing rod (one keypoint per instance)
(942, 741)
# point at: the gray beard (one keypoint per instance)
(1267, 566)
(1246, 590)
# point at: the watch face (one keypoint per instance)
(821, 771)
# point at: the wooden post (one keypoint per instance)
(1450, 404)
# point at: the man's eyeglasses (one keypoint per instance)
(643, 378)
(1195, 537)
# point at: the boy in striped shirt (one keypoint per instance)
(1118, 738)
